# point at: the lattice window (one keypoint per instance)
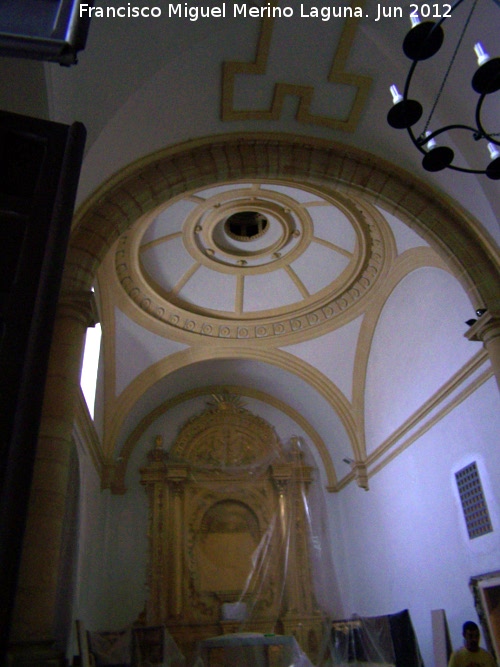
(474, 506)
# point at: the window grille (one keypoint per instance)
(477, 518)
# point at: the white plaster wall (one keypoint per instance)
(140, 347)
(403, 543)
(417, 346)
(111, 566)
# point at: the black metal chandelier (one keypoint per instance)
(421, 43)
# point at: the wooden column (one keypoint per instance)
(153, 478)
(176, 478)
(164, 482)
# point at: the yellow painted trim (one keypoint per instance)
(297, 282)
(430, 405)
(163, 239)
(186, 277)
(333, 246)
(322, 310)
(468, 391)
(126, 196)
(402, 266)
(468, 251)
(305, 94)
(240, 293)
(107, 307)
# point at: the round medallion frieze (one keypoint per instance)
(252, 261)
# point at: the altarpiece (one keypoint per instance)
(229, 539)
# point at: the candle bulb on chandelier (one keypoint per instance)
(482, 56)
(432, 142)
(396, 95)
(493, 150)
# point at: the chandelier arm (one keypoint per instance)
(415, 62)
(408, 79)
(466, 171)
(408, 111)
(415, 141)
(420, 141)
(419, 146)
(483, 134)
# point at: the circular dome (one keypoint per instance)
(251, 260)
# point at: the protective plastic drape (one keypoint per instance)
(135, 647)
(155, 647)
(282, 561)
(249, 649)
(111, 648)
(362, 642)
(286, 560)
(388, 640)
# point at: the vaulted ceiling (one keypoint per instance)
(242, 269)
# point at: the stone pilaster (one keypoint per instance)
(35, 611)
(487, 330)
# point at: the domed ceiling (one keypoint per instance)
(251, 260)
(269, 289)
(255, 277)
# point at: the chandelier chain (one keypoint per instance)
(445, 78)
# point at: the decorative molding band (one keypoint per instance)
(431, 404)
(389, 449)
(486, 329)
(305, 94)
(328, 305)
(465, 393)
(121, 407)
